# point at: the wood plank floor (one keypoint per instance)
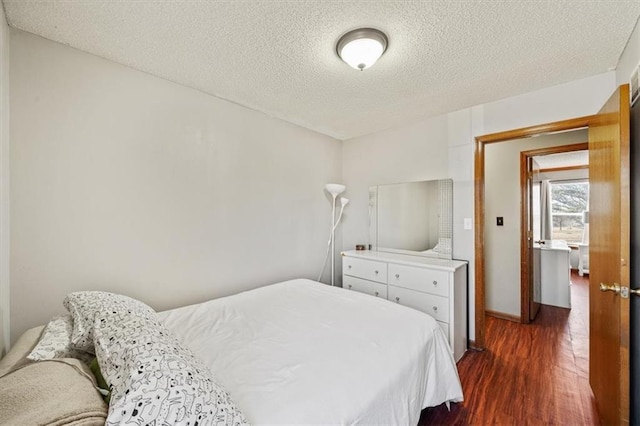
(528, 374)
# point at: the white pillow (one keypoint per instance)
(85, 305)
(154, 379)
(55, 342)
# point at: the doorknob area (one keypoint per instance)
(626, 291)
(613, 287)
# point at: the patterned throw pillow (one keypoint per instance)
(154, 379)
(56, 342)
(85, 305)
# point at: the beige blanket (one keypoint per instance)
(20, 349)
(55, 392)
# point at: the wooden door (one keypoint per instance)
(534, 278)
(530, 297)
(609, 258)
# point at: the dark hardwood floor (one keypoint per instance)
(528, 374)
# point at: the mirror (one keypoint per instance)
(414, 218)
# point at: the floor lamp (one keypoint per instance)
(335, 189)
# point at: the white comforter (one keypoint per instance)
(300, 352)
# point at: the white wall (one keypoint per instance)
(125, 182)
(4, 183)
(393, 156)
(443, 147)
(630, 57)
(502, 198)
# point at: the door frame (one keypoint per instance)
(525, 248)
(479, 202)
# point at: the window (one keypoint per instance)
(568, 201)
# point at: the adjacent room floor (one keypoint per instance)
(528, 374)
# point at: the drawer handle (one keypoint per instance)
(376, 272)
(435, 309)
(350, 286)
(397, 276)
(435, 283)
(377, 294)
(397, 300)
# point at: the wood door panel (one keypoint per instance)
(526, 239)
(534, 266)
(609, 254)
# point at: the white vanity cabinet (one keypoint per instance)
(555, 273)
(437, 287)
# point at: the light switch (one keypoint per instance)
(500, 221)
(468, 224)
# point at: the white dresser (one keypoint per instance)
(435, 286)
(555, 273)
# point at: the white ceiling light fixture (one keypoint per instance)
(361, 48)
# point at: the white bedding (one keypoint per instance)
(300, 352)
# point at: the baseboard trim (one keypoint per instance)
(473, 347)
(502, 315)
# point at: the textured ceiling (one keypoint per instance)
(279, 56)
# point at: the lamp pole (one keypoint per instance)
(333, 240)
(334, 189)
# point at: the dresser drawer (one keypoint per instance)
(364, 286)
(366, 269)
(421, 279)
(436, 306)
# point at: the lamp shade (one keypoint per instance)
(344, 201)
(334, 188)
(361, 48)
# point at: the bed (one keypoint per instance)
(296, 352)
(300, 352)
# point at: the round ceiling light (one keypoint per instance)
(361, 48)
